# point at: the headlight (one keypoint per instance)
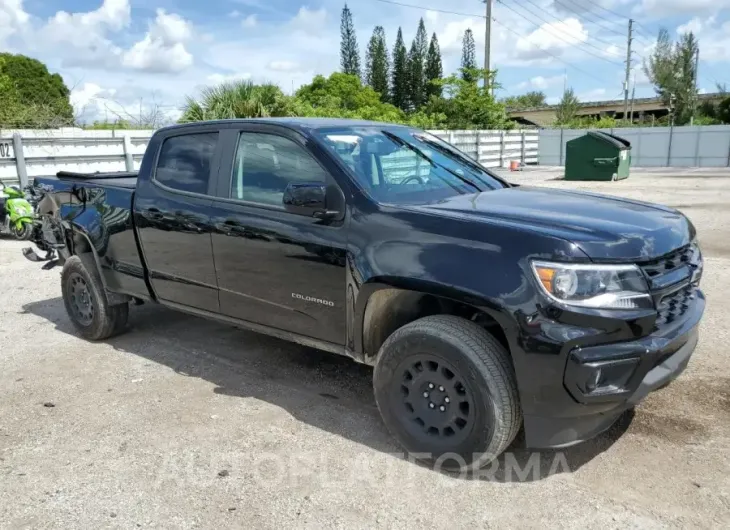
(597, 286)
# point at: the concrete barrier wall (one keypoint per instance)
(701, 146)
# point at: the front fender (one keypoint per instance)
(20, 221)
(368, 290)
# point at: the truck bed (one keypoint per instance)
(96, 209)
(118, 179)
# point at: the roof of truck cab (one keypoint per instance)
(294, 123)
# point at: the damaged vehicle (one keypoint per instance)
(484, 307)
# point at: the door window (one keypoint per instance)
(265, 164)
(184, 162)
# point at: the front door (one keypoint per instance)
(274, 267)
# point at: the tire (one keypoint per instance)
(466, 374)
(24, 233)
(96, 320)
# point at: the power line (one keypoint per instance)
(559, 20)
(561, 38)
(504, 25)
(586, 72)
(422, 8)
(583, 13)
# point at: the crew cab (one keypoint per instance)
(483, 306)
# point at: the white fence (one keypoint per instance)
(45, 152)
(702, 146)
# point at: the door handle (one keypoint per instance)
(154, 213)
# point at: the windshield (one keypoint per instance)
(400, 165)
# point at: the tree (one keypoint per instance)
(567, 109)
(468, 56)
(344, 96)
(376, 63)
(416, 67)
(529, 100)
(672, 71)
(399, 84)
(349, 52)
(238, 99)
(434, 69)
(465, 105)
(30, 95)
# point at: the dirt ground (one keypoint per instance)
(185, 423)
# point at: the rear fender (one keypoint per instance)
(79, 244)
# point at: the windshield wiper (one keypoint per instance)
(419, 152)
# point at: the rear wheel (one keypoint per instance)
(87, 305)
(23, 233)
(446, 390)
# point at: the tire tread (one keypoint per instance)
(492, 360)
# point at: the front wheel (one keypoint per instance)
(447, 391)
(23, 233)
(86, 302)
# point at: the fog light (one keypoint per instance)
(600, 376)
(594, 380)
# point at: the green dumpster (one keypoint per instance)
(597, 156)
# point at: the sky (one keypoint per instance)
(127, 57)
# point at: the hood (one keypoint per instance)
(604, 227)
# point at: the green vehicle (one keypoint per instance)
(16, 213)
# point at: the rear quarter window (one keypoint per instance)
(184, 162)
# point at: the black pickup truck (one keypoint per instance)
(483, 306)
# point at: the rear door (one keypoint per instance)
(172, 213)
(277, 268)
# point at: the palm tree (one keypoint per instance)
(237, 99)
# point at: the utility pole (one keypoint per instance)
(633, 95)
(628, 68)
(696, 98)
(487, 42)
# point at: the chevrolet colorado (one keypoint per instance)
(483, 306)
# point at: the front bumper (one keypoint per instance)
(643, 365)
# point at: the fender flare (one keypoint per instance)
(92, 262)
(366, 292)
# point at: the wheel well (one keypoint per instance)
(390, 309)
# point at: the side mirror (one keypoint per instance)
(307, 198)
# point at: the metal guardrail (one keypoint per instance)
(25, 156)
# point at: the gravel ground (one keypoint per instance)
(186, 423)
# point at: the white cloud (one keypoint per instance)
(83, 39)
(432, 17)
(217, 79)
(250, 21)
(551, 38)
(541, 83)
(12, 18)
(309, 21)
(451, 36)
(639, 76)
(283, 66)
(234, 14)
(89, 94)
(163, 47)
(598, 94)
